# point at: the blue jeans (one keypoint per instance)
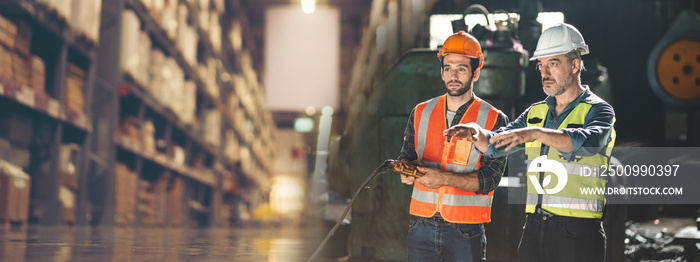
(434, 239)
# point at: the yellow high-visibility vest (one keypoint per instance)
(569, 201)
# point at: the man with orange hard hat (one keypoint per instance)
(452, 201)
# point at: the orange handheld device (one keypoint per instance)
(405, 169)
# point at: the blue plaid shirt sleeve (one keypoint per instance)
(491, 170)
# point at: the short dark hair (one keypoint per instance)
(473, 63)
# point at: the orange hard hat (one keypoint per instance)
(464, 44)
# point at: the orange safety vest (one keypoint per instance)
(456, 156)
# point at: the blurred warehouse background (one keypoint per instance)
(256, 113)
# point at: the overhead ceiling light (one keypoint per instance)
(308, 6)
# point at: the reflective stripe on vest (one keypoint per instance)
(584, 172)
(566, 202)
(456, 156)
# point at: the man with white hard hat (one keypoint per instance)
(571, 130)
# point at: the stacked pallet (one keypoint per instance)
(16, 61)
(68, 180)
(176, 193)
(146, 203)
(124, 195)
(14, 194)
(160, 206)
(153, 200)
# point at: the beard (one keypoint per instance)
(558, 89)
(459, 91)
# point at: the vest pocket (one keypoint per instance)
(463, 148)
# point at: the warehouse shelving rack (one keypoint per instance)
(203, 191)
(53, 122)
(110, 95)
(125, 93)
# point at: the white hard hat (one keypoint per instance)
(559, 39)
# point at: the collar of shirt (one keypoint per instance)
(460, 111)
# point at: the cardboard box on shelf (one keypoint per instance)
(15, 186)
(168, 18)
(5, 148)
(22, 69)
(148, 137)
(85, 18)
(215, 32)
(154, 71)
(219, 6)
(203, 15)
(172, 79)
(231, 147)
(154, 8)
(8, 32)
(6, 69)
(131, 35)
(236, 37)
(20, 156)
(210, 83)
(23, 38)
(129, 129)
(189, 103)
(74, 95)
(212, 122)
(144, 54)
(38, 75)
(176, 154)
(186, 36)
(62, 7)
